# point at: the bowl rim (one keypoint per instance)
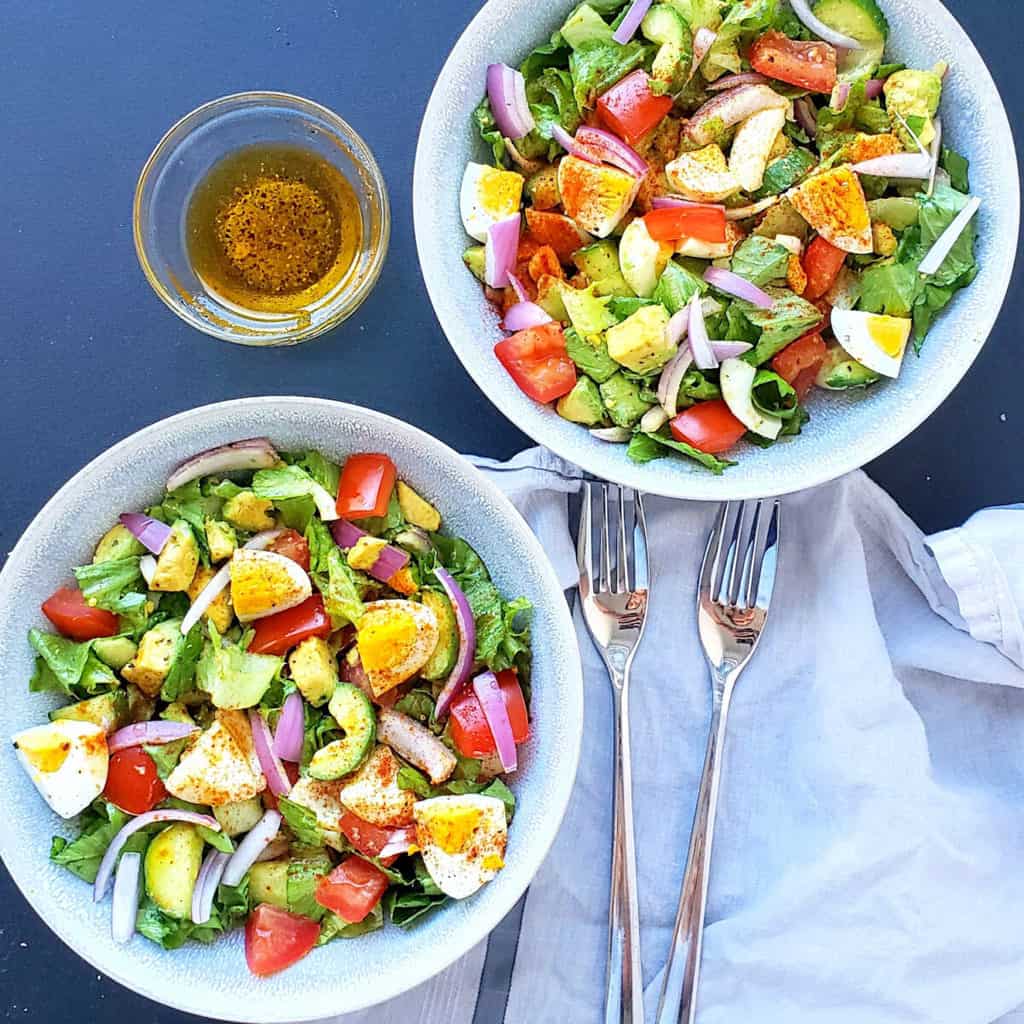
(78, 939)
(693, 486)
(347, 302)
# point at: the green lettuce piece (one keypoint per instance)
(325, 472)
(648, 447)
(103, 584)
(341, 590)
(232, 676)
(552, 102)
(597, 66)
(302, 821)
(773, 395)
(166, 756)
(182, 673)
(785, 172)
(889, 288)
(100, 823)
(740, 21)
(64, 666)
(418, 704)
(334, 927)
(958, 169)
(760, 260)
(321, 543)
(789, 317)
(677, 286)
(587, 310)
(483, 118)
(695, 387)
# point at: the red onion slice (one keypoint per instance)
(291, 724)
(106, 868)
(524, 315)
(934, 153)
(873, 88)
(206, 885)
(604, 146)
(488, 692)
(518, 287)
(730, 81)
(125, 904)
(631, 22)
(506, 90)
(467, 644)
(252, 453)
(262, 833)
(277, 778)
(803, 111)
(672, 375)
(150, 733)
(897, 165)
(730, 349)
(666, 202)
(703, 40)
(677, 326)
(700, 344)
(275, 848)
(731, 107)
(149, 532)
(840, 94)
(399, 843)
(147, 566)
(945, 242)
(613, 435)
(743, 212)
(501, 250)
(802, 9)
(739, 287)
(389, 561)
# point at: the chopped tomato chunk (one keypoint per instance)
(630, 109)
(366, 485)
(293, 545)
(352, 889)
(276, 634)
(798, 363)
(671, 223)
(822, 263)
(537, 361)
(67, 610)
(276, 939)
(132, 781)
(708, 426)
(470, 732)
(807, 65)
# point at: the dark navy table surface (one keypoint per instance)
(89, 354)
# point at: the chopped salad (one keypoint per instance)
(698, 211)
(292, 703)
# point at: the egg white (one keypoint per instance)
(478, 212)
(79, 752)
(853, 332)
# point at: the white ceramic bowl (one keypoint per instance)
(846, 431)
(347, 975)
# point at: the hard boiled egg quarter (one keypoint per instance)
(67, 761)
(488, 195)
(462, 839)
(395, 640)
(877, 341)
(264, 582)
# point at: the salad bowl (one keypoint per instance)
(343, 976)
(847, 428)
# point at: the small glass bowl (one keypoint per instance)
(182, 160)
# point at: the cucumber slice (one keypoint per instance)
(665, 26)
(351, 709)
(736, 378)
(841, 372)
(268, 883)
(109, 711)
(865, 22)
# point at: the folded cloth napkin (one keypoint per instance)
(867, 861)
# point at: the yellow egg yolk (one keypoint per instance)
(500, 191)
(385, 639)
(453, 829)
(45, 753)
(889, 333)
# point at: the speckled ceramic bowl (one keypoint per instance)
(347, 975)
(846, 430)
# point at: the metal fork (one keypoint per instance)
(615, 612)
(736, 582)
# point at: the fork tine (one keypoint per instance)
(641, 573)
(622, 556)
(584, 540)
(725, 550)
(744, 536)
(707, 566)
(764, 554)
(604, 582)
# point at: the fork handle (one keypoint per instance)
(678, 1001)
(624, 994)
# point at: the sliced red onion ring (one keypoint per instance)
(252, 453)
(277, 778)
(945, 242)
(147, 566)
(677, 326)
(700, 343)
(613, 435)
(653, 420)
(262, 833)
(802, 9)
(467, 644)
(389, 561)
(743, 212)
(604, 146)
(399, 842)
(125, 904)
(106, 868)
(731, 107)
(518, 287)
(934, 154)
(291, 723)
(488, 692)
(149, 532)
(730, 81)
(897, 165)
(150, 733)
(803, 111)
(501, 250)
(416, 743)
(275, 848)
(524, 315)
(564, 139)
(668, 202)
(730, 349)
(703, 40)
(206, 885)
(507, 92)
(672, 375)
(840, 94)
(739, 287)
(873, 88)
(631, 22)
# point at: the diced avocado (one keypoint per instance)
(220, 539)
(913, 95)
(542, 188)
(663, 25)
(883, 239)
(140, 707)
(640, 342)
(117, 542)
(177, 711)
(314, 670)
(585, 25)
(587, 311)
(364, 553)
(865, 22)
(114, 651)
(351, 709)
(621, 397)
(442, 661)
(109, 711)
(177, 562)
(590, 355)
(248, 512)
(600, 262)
(549, 298)
(153, 659)
(239, 817)
(583, 404)
(268, 883)
(840, 371)
(899, 212)
(417, 510)
(173, 859)
(782, 219)
(475, 258)
(219, 611)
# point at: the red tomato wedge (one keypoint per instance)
(798, 363)
(708, 426)
(671, 223)
(132, 781)
(367, 838)
(352, 889)
(810, 65)
(537, 361)
(822, 262)
(276, 634)
(630, 109)
(364, 490)
(67, 610)
(470, 732)
(293, 545)
(276, 939)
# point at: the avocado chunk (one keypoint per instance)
(640, 342)
(475, 258)
(584, 26)
(351, 709)
(587, 311)
(621, 397)
(841, 372)
(221, 539)
(549, 298)
(417, 510)
(248, 512)
(268, 883)
(172, 864)
(899, 212)
(914, 95)
(140, 707)
(109, 711)
(600, 263)
(114, 651)
(314, 670)
(177, 711)
(177, 562)
(590, 355)
(663, 25)
(239, 817)
(782, 219)
(442, 661)
(152, 661)
(583, 404)
(117, 542)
